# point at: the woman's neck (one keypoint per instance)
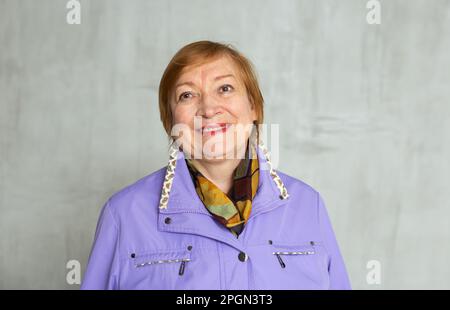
(220, 172)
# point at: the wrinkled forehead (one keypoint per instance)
(208, 71)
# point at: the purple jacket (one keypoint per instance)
(286, 243)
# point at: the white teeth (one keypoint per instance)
(210, 129)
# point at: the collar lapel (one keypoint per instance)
(188, 214)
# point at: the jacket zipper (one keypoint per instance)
(282, 264)
(165, 261)
(182, 267)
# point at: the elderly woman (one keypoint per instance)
(218, 216)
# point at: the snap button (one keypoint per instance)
(189, 247)
(133, 255)
(270, 242)
(167, 220)
(242, 256)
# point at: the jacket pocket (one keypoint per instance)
(281, 250)
(169, 260)
(301, 262)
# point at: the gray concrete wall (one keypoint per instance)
(363, 112)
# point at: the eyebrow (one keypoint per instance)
(223, 76)
(215, 79)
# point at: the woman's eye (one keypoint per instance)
(226, 88)
(184, 96)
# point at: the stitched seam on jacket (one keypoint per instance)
(321, 232)
(115, 273)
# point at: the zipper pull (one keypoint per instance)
(182, 266)
(282, 264)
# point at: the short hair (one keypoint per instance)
(201, 52)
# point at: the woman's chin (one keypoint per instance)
(219, 154)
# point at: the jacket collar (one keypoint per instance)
(182, 196)
(182, 211)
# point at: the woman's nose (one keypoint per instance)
(209, 107)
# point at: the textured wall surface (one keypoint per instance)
(363, 111)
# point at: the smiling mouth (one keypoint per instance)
(213, 129)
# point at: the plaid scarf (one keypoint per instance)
(232, 209)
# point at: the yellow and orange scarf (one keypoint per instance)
(233, 209)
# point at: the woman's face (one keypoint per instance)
(211, 109)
